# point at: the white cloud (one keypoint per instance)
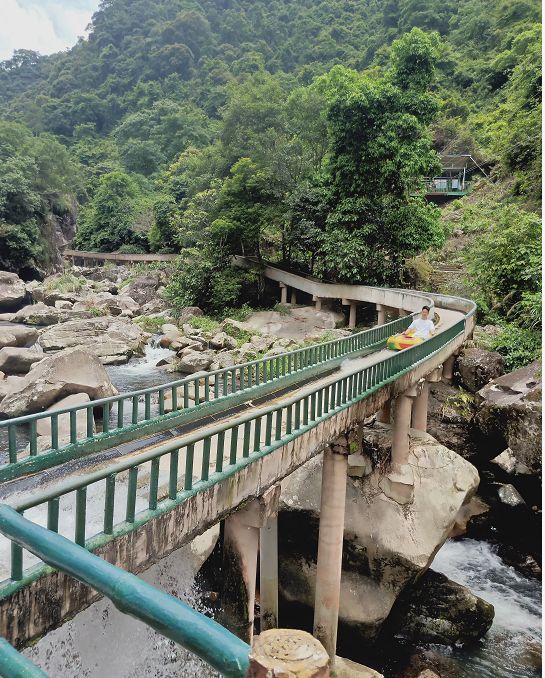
(45, 27)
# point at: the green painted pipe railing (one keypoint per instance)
(224, 450)
(131, 595)
(128, 415)
(15, 665)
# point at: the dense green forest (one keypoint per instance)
(291, 130)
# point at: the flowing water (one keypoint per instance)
(142, 372)
(512, 647)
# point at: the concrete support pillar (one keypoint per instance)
(317, 303)
(330, 548)
(268, 574)
(448, 369)
(240, 546)
(420, 404)
(352, 314)
(420, 408)
(287, 652)
(401, 423)
(381, 314)
(383, 415)
(293, 299)
(283, 293)
(402, 312)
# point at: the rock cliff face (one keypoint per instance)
(386, 545)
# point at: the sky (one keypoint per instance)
(45, 26)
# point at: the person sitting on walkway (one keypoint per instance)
(422, 327)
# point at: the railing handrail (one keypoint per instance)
(118, 256)
(131, 595)
(13, 664)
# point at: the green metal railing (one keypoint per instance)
(200, 460)
(15, 665)
(442, 185)
(131, 595)
(131, 415)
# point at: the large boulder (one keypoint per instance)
(114, 340)
(55, 377)
(387, 545)
(15, 360)
(43, 426)
(477, 366)
(39, 314)
(195, 361)
(509, 416)
(17, 335)
(438, 610)
(144, 288)
(12, 291)
(450, 415)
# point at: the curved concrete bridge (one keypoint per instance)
(172, 461)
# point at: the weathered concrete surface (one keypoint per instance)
(387, 544)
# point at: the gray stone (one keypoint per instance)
(509, 495)
(7, 317)
(63, 305)
(55, 377)
(477, 367)
(17, 335)
(14, 360)
(12, 291)
(222, 340)
(508, 463)
(438, 610)
(195, 361)
(114, 340)
(144, 288)
(39, 314)
(510, 415)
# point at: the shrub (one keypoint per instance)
(519, 346)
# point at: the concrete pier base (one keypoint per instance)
(401, 422)
(330, 548)
(293, 298)
(420, 404)
(448, 369)
(283, 293)
(288, 653)
(268, 575)
(381, 314)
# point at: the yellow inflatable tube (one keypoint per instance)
(397, 342)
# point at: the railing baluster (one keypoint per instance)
(33, 438)
(55, 431)
(16, 562)
(73, 427)
(197, 391)
(246, 440)
(131, 494)
(147, 406)
(257, 434)
(106, 418)
(161, 401)
(268, 429)
(288, 419)
(134, 417)
(120, 413)
(173, 475)
(278, 425)
(206, 388)
(205, 469)
(81, 511)
(174, 398)
(154, 483)
(297, 418)
(234, 445)
(109, 502)
(53, 514)
(189, 456)
(219, 451)
(186, 395)
(12, 444)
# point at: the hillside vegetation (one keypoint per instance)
(291, 130)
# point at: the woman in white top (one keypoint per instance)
(422, 327)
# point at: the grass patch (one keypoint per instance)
(282, 309)
(66, 282)
(152, 325)
(204, 322)
(462, 403)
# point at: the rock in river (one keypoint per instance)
(114, 340)
(15, 360)
(72, 371)
(12, 291)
